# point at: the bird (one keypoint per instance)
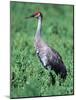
(48, 56)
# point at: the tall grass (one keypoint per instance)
(28, 76)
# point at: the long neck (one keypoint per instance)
(38, 32)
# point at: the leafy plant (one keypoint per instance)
(28, 77)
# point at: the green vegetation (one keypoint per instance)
(28, 76)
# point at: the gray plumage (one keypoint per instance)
(49, 58)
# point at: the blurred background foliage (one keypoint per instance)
(28, 77)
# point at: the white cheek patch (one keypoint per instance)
(37, 15)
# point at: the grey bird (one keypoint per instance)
(49, 57)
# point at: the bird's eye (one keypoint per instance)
(37, 14)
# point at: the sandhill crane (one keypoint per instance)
(49, 57)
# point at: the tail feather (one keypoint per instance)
(63, 71)
(60, 69)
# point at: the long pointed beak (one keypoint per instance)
(30, 16)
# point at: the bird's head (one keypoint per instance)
(36, 15)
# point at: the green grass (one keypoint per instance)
(28, 77)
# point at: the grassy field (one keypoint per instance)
(28, 77)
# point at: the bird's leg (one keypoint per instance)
(60, 80)
(51, 77)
